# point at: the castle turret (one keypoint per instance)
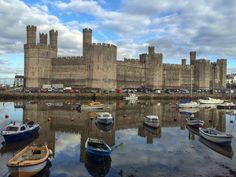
(43, 38)
(31, 34)
(183, 61)
(151, 50)
(192, 57)
(53, 39)
(87, 40)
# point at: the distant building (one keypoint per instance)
(99, 68)
(19, 81)
(231, 78)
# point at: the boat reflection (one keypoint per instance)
(97, 167)
(104, 127)
(16, 146)
(188, 111)
(192, 132)
(226, 151)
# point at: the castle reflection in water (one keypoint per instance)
(64, 118)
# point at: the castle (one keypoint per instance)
(99, 67)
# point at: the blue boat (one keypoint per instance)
(18, 131)
(96, 147)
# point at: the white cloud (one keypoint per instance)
(17, 15)
(207, 27)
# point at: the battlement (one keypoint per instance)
(87, 30)
(74, 60)
(43, 38)
(202, 61)
(105, 45)
(31, 27)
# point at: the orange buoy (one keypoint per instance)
(49, 119)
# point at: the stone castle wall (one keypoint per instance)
(99, 68)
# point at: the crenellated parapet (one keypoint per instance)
(74, 60)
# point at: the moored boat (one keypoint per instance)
(193, 121)
(28, 162)
(97, 147)
(131, 96)
(17, 131)
(210, 100)
(227, 105)
(152, 121)
(93, 105)
(104, 118)
(188, 104)
(216, 136)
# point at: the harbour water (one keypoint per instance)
(171, 150)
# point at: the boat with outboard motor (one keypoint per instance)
(104, 118)
(216, 136)
(16, 131)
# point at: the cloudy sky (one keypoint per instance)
(174, 27)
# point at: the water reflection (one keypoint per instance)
(226, 151)
(67, 131)
(97, 167)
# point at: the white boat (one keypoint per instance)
(28, 162)
(131, 96)
(215, 136)
(193, 121)
(152, 121)
(104, 118)
(188, 104)
(226, 105)
(210, 100)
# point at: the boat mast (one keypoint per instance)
(191, 81)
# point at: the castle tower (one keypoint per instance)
(31, 34)
(53, 39)
(151, 50)
(192, 57)
(87, 40)
(43, 38)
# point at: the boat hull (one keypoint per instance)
(26, 171)
(226, 106)
(151, 124)
(215, 139)
(9, 138)
(210, 102)
(91, 107)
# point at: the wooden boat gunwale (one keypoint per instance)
(31, 162)
(220, 135)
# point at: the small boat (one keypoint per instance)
(28, 162)
(193, 121)
(93, 105)
(131, 96)
(210, 100)
(152, 121)
(104, 118)
(226, 105)
(188, 104)
(97, 147)
(18, 131)
(226, 151)
(215, 136)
